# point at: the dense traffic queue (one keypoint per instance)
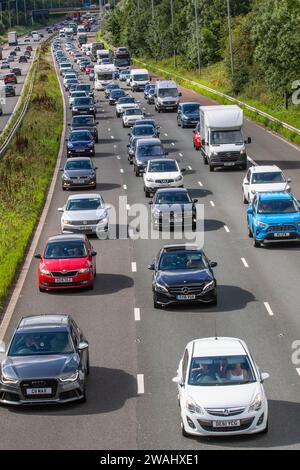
(220, 387)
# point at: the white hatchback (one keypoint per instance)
(162, 173)
(263, 178)
(131, 115)
(220, 389)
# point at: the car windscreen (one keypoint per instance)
(171, 261)
(117, 93)
(149, 150)
(143, 130)
(83, 87)
(79, 94)
(126, 100)
(41, 343)
(83, 121)
(84, 204)
(83, 102)
(277, 206)
(141, 78)
(133, 112)
(190, 108)
(220, 370)
(166, 92)
(64, 249)
(112, 86)
(267, 177)
(83, 135)
(226, 137)
(78, 165)
(162, 167)
(144, 122)
(172, 197)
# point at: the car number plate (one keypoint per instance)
(229, 163)
(186, 297)
(38, 391)
(86, 227)
(281, 234)
(60, 280)
(227, 424)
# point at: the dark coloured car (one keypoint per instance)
(70, 82)
(132, 146)
(188, 114)
(183, 275)
(146, 149)
(150, 122)
(10, 90)
(23, 58)
(27, 54)
(79, 172)
(84, 106)
(80, 143)
(17, 71)
(115, 95)
(83, 64)
(47, 361)
(85, 122)
(13, 53)
(17, 49)
(173, 208)
(142, 131)
(109, 87)
(148, 88)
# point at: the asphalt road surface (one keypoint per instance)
(258, 303)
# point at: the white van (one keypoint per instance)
(166, 95)
(138, 79)
(104, 74)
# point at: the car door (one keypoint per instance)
(91, 258)
(252, 217)
(246, 185)
(179, 112)
(76, 337)
(183, 373)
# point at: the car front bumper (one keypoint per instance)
(276, 235)
(82, 152)
(170, 299)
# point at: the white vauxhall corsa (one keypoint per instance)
(263, 178)
(220, 389)
(162, 173)
(85, 213)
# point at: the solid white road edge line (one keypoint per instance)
(268, 308)
(140, 384)
(25, 268)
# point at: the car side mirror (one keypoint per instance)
(178, 380)
(83, 345)
(97, 122)
(95, 168)
(2, 347)
(250, 211)
(213, 264)
(194, 132)
(195, 200)
(183, 170)
(128, 145)
(60, 209)
(180, 94)
(166, 153)
(93, 253)
(150, 203)
(249, 140)
(61, 169)
(151, 267)
(264, 376)
(289, 180)
(38, 256)
(69, 123)
(202, 141)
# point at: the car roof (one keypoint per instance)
(182, 247)
(189, 102)
(163, 160)
(84, 196)
(222, 346)
(152, 140)
(172, 190)
(48, 319)
(77, 236)
(264, 168)
(84, 116)
(76, 159)
(274, 195)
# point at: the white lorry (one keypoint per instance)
(222, 138)
(12, 38)
(104, 74)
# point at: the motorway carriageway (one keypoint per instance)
(134, 349)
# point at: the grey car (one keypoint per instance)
(85, 122)
(79, 172)
(84, 106)
(47, 361)
(173, 207)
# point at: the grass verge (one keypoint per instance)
(27, 167)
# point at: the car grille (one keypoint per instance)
(208, 426)
(279, 228)
(187, 289)
(79, 178)
(169, 103)
(224, 412)
(228, 156)
(43, 383)
(63, 284)
(64, 273)
(85, 222)
(164, 181)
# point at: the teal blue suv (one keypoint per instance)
(273, 216)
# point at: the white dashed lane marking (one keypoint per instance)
(226, 228)
(212, 203)
(121, 171)
(125, 186)
(133, 267)
(245, 263)
(140, 384)
(137, 314)
(268, 308)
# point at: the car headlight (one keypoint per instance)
(253, 191)
(8, 380)
(243, 152)
(209, 285)
(67, 222)
(184, 117)
(70, 378)
(261, 224)
(160, 287)
(193, 407)
(45, 271)
(91, 144)
(75, 109)
(215, 154)
(150, 180)
(84, 270)
(91, 109)
(256, 404)
(70, 145)
(298, 222)
(178, 178)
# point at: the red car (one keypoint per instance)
(29, 48)
(10, 78)
(88, 69)
(68, 262)
(197, 137)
